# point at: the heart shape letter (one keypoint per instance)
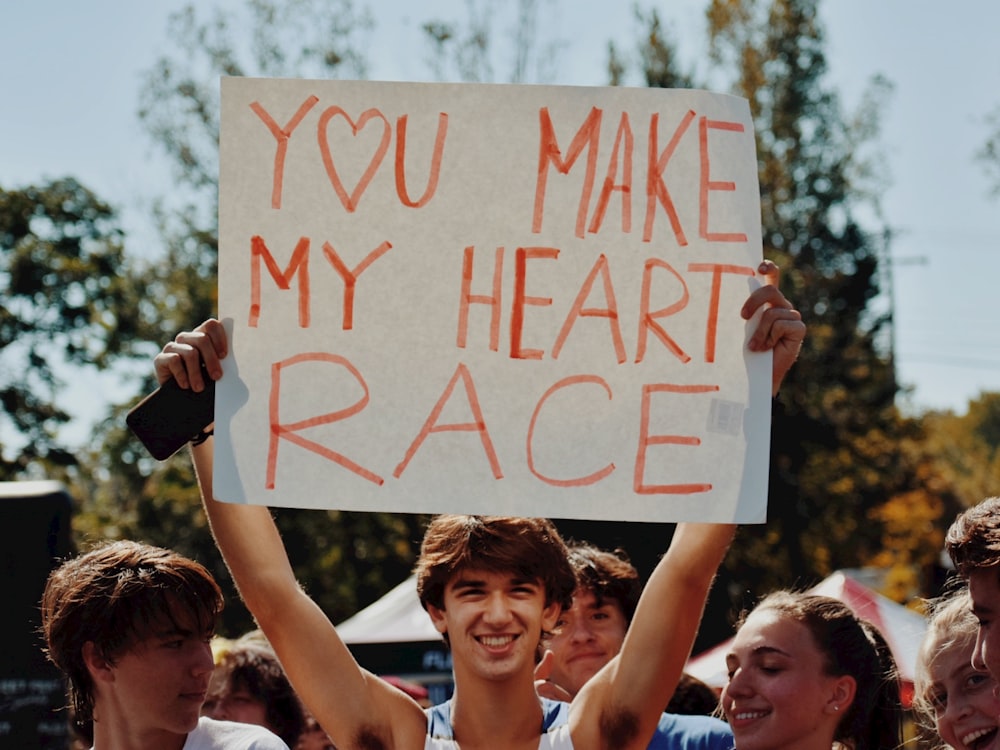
(351, 201)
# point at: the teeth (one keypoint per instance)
(495, 641)
(973, 736)
(744, 715)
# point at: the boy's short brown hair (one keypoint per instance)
(609, 576)
(973, 541)
(527, 547)
(115, 596)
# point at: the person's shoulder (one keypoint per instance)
(211, 734)
(691, 732)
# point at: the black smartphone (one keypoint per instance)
(170, 416)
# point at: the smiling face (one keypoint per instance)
(586, 637)
(494, 622)
(779, 695)
(984, 589)
(963, 700)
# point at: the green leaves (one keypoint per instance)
(68, 301)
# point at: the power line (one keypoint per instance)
(946, 360)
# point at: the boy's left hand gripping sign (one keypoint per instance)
(517, 300)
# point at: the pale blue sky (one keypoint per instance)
(71, 72)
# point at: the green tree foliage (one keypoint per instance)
(983, 419)
(836, 451)
(837, 455)
(346, 560)
(913, 524)
(659, 62)
(966, 448)
(957, 464)
(69, 300)
(469, 51)
(831, 452)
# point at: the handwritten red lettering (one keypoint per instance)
(468, 298)
(588, 135)
(610, 311)
(350, 202)
(299, 264)
(647, 318)
(607, 173)
(646, 440)
(279, 431)
(623, 139)
(592, 478)
(281, 135)
(478, 423)
(716, 269)
(350, 276)
(706, 184)
(517, 351)
(435, 168)
(656, 190)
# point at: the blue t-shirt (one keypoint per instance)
(674, 732)
(691, 732)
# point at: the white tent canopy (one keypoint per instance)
(902, 628)
(395, 618)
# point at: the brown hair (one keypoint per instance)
(973, 541)
(115, 596)
(528, 547)
(253, 666)
(608, 575)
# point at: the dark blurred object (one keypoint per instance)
(34, 536)
(170, 416)
(693, 697)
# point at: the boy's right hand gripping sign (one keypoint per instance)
(516, 300)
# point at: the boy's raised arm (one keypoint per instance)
(629, 693)
(350, 703)
(622, 703)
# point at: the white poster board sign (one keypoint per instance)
(517, 300)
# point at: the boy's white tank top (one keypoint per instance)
(555, 739)
(555, 727)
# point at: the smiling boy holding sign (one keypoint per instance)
(492, 585)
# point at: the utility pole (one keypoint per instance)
(889, 263)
